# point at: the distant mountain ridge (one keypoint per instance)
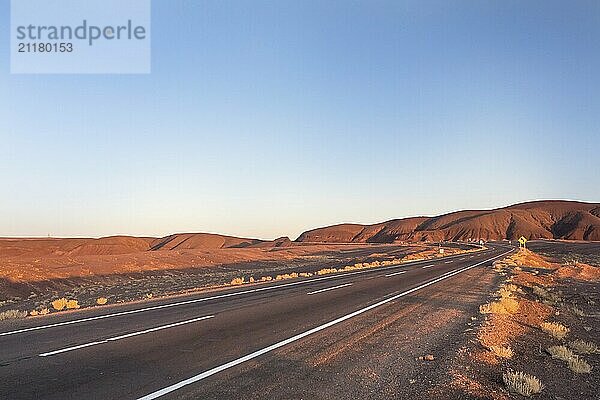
(552, 219)
(549, 219)
(114, 245)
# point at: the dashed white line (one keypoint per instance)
(395, 273)
(233, 363)
(447, 262)
(428, 266)
(220, 296)
(128, 335)
(330, 288)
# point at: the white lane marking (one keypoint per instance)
(128, 335)
(330, 288)
(428, 266)
(233, 363)
(395, 273)
(447, 262)
(221, 296)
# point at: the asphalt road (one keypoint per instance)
(170, 348)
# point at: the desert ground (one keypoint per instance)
(493, 323)
(32, 282)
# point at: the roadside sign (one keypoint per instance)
(522, 241)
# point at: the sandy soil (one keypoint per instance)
(569, 296)
(33, 282)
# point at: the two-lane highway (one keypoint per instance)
(163, 348)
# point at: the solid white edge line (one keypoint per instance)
(233, 363)
(395, 273)
(139, 310)
(428, 266)
(330, 288)
(125, 336)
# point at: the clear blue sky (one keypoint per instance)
(266, 118)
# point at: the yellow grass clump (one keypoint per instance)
(560, 352)
(502, 351)
(12, 314)
(286, 276)
(579, 365)
(237, 281)
(522, 383)
(583, 347)
(326, 271)
(59, 304)
(506, 305)
(101, 301)
(556, 330)
(72, 304)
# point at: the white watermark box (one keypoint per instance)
(80, 36)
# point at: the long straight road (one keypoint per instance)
(170, 348)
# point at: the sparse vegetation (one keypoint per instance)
(12, 314)
(101, 301)
(546, 295)
(237, 281)
(555, 329)
(72, 304)
(347, 268)
(578, 311)
(579, 365)
(502, 351)
(522, 383)
(560, 353)
(62, 303)
(506, 305)
(583, 347)
(59, 304)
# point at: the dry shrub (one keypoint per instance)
(251, 280)
(583, 347)
(504, 292)
(44, 311)
(59, 304)
(502, 351)
(237, 281)
(34, 313)
(556, 330)
(12, 314)
(506, 305)
(72, 304)
(511, 287)
(579, 365)
(510, 305)
(305, 274)
(522, 383)
(326, 271)
(101, 301)
(560, 352)
(546, 295)
(286, 276)
(578, 311)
